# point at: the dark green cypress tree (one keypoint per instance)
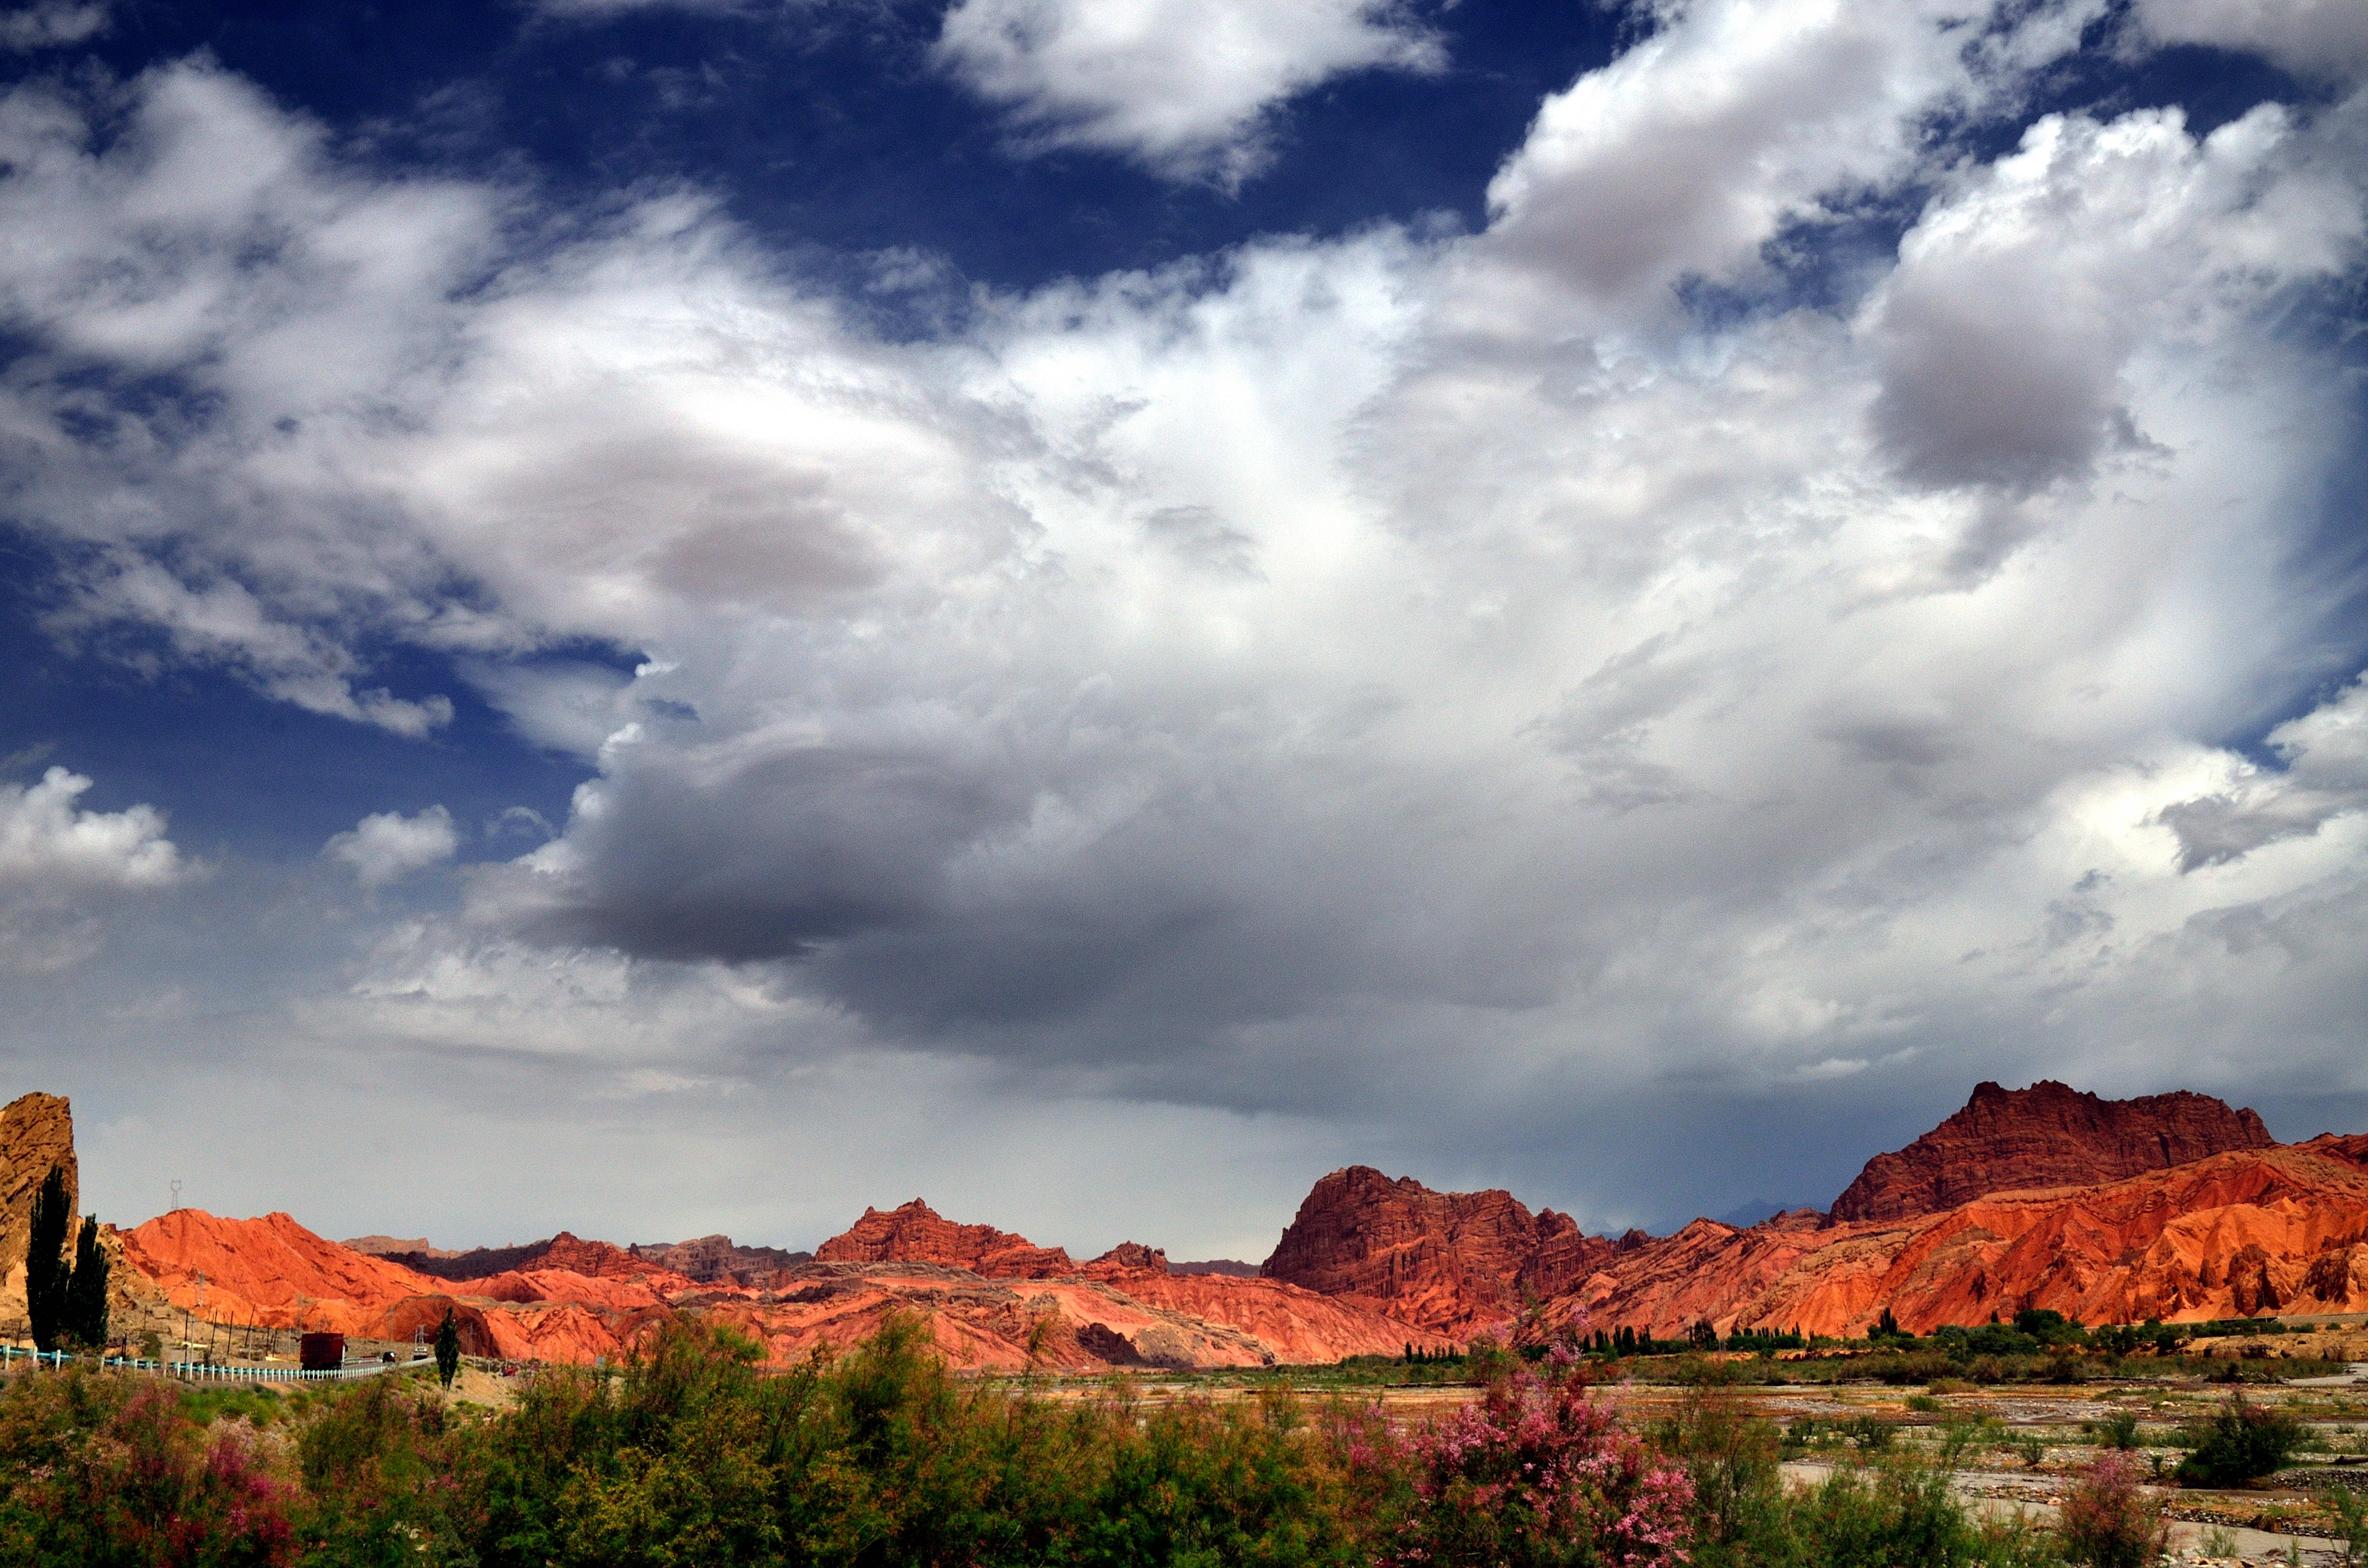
(86, 1303)
(46, 1272)
(447, 1349)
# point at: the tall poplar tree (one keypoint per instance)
(47, 1274)
(86, 1301)
(447, 1349)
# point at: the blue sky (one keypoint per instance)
(671, 617)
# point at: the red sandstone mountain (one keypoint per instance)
(715, 1260)
(2233, 1235)
(913, 1233)
(275, 1273)
(270, 1271)
(1455, 1262)
(1122, 1308)
(2046, 1135)
(1130, 1256)
(571, 1300)
(2250, 1230)
(396, 1247)
(569, 1254)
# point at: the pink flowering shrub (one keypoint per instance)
(2110, 1520)
(120, 1476)
(1538, 1476)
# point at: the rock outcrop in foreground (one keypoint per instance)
(2046, 1135)
(36, 1136)
(1455, 1262)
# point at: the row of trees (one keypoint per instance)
(66, 1301)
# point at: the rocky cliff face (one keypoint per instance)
(36, 1135)
(2046, 1135)
(1454, 1262)
(913, 1233)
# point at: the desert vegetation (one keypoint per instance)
(691, 1452)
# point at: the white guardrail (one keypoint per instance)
(204, 1372)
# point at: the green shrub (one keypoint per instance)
(2118, 1430)
(1730, 1457)
(2243, 1442)
(1901, 1513)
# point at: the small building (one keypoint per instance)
(322, 1352)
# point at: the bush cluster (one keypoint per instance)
(2241, 1442)
(690, 1453)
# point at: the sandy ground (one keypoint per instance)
(483, 1387)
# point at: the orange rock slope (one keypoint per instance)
(2046, 1135)
(2233, 1235)
(1456, 1262)
(582, 1300)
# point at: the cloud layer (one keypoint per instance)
(1425, 683)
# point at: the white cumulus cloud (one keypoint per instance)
(47, 840)
(1184, 86)
(1737, 118)
(60, 864)
(387, 846)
